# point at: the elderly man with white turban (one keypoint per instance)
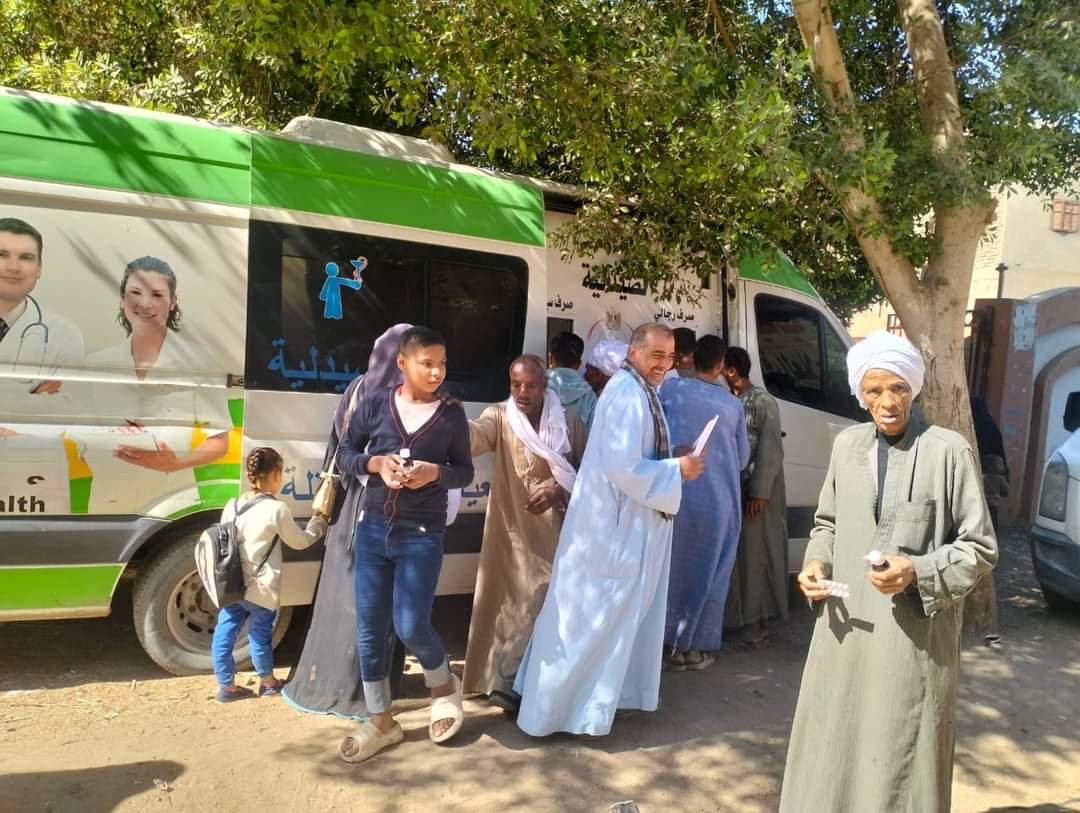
(604, 360)
(874, 725)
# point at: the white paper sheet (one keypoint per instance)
(703, 438)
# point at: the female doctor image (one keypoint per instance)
(150, 315)
(34, 342)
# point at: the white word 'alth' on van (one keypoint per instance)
(175, 292)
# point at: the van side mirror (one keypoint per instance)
(1072, 412)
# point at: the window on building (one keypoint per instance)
(1065, 216)
(310, 328)
(803, 359)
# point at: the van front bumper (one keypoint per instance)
(1056, 559)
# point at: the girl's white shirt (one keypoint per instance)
(255, 530)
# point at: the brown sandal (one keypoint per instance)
(674, 661)
(704, 661)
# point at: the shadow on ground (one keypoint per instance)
(71, 653)
(87, 790)
(1017, 707)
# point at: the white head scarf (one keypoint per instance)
(553, 439)
(607, 356)
(882, 350)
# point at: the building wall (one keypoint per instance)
(867, 321)
(984, 276)
(1038, 258)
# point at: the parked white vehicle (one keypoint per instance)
(1055, 535)
(268, 264)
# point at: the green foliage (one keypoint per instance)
(685, 158)
(689, 154)
(692, 154)
(252, 63)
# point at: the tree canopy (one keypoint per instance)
(696, 127)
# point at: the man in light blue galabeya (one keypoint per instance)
(564, 378)
(597, 642)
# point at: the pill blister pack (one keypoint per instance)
(836, 589)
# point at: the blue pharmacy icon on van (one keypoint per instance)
(331, 291)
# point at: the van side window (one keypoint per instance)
(318, 299)
(803, 360)
(840, 399)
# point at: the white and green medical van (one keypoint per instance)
(250, 273)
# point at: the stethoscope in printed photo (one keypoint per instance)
(36, 331)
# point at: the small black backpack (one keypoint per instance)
(217, 558)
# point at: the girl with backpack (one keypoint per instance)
(261, 521)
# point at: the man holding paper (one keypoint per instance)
(599, 638)
(875, 723)
(706, 529)
(537, 447)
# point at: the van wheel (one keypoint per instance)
(1057, 602)
(175, 619)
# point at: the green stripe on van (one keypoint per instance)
(236, 412)
(82, 143)
(215, 495)
(79, 491)
(65, 141)
(217, 471)
(312, 178)
(775, 267)
(48, 588)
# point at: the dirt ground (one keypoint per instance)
(88, 723)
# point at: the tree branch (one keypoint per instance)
(960, 230)
(893, 271)
(935, 80)
(721, 29)
(939, 110)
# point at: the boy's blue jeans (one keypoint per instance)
(395, 571)
(230, 619)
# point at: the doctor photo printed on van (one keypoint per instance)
(138, 420)
(150, 315)
(34, 341)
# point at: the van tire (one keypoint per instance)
(1057, 602)
(174, 619)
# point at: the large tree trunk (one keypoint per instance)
(931, 305)
(936, 325)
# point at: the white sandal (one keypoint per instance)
(370, 740)
(447, 708)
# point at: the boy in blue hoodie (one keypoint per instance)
(564, 376)
(413, 444)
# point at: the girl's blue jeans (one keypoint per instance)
(260, 632)
(395, 571)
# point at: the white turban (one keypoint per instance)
(607, 356)
(882, 350)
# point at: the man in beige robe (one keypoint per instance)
(874, 727)
(537, 447)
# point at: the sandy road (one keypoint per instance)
(88, 723)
